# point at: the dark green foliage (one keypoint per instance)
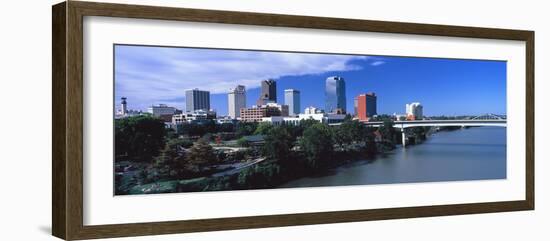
(139, 138)
(420, 132)
(388, 132)
(246, 128)
(198, 129)
(278, 143)
(201, 155)
(226, 127)
(185, 160)
(171, 162)
(243, 142)
(317, 145)
(370, 145)
(259, 176)
(263, 128)
(304, 124)
(349, 132)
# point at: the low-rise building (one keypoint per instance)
(256, 113)
(399, 117)
(313, 110)
(162, 109)
(193, 116)
(226, 120)
(320, 117)
(178, 119)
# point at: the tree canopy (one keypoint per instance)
(278, 143)
(387, 131)
(139, 138)
(348, 132)
(201, 154)
(317, 144)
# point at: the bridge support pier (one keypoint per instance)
(403, 137)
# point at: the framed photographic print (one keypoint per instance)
(171, 120)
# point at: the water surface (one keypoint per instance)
(477, 153)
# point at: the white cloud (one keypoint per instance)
(152, 75)
(378, 62)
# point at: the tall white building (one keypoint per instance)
(236, 100)
(414, 111)
(292, 99)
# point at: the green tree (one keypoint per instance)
(243, 142)
(317, 145)
(370, 145)
(349, 132)
(226, 127)
(304, 124)
(201, 155)
(139, 138)
(278, 143)
(245, 128)
(420, 132)
(166, 162)
(387, 131)
(263, 128)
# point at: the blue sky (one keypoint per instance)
(160, 75)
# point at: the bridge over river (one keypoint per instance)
(499, 122)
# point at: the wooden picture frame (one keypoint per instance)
(67, 152)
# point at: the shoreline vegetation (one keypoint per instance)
(206, 156)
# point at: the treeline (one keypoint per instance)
(295, 151)
(292, 151)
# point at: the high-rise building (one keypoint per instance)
(365, 106)
(335, 95)
(292, 99)
(414, 111)
(269, 92)
(196, 99)
(236, 100)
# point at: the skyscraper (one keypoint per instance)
(269, 92)
(365, 106)
(292, 99)
(236, 100)
(196, 99)
(335, 95)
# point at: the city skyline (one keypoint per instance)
(443, 86)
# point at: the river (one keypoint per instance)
(477, 153)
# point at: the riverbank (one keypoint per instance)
(459, 155)
(262, 173)
(284, 160)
